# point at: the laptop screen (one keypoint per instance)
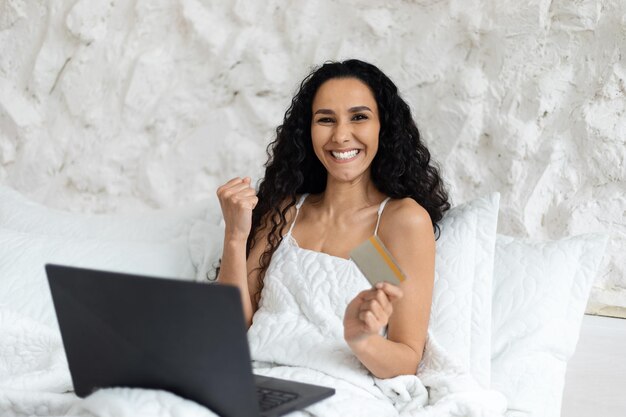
(185, 337)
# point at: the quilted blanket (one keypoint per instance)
(35, 381)
(296, 334)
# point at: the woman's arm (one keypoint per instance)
(233, 271)
(407, 232)
(237, 200)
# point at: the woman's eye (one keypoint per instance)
(359, 117)
(324, 120)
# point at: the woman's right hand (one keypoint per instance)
(237, 200)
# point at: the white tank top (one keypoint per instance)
(305, 293)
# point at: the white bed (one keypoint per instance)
(506, 311)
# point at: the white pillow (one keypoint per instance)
(462, 292)
(451, 308)
(157, 226)
(23, 284)
(20, 214)
(540, 292)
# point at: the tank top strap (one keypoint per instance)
(298, 205)
(380, 211)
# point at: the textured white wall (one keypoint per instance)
(121, 105)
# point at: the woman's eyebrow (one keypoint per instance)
(355, 109)
(358, 109)
(324, 111)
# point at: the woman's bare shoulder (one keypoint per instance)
(406, 214)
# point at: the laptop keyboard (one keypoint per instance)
(269, 398)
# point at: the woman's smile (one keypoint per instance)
(342, 157)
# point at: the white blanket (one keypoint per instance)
(34, 381)
(297, 333)
(441, 388)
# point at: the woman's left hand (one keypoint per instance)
(368, 313)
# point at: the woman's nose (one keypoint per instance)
(342, 133)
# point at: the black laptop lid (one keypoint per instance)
(126, 330)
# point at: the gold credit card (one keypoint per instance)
(376, 263)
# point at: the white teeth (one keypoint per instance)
(345, 155)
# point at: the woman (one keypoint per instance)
(347, 162)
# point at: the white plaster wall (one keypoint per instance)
(122, 105)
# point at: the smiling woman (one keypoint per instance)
(347, 163)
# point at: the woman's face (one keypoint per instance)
(345, 128)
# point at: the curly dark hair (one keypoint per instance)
(401, 168)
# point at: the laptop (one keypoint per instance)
(188, 338)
